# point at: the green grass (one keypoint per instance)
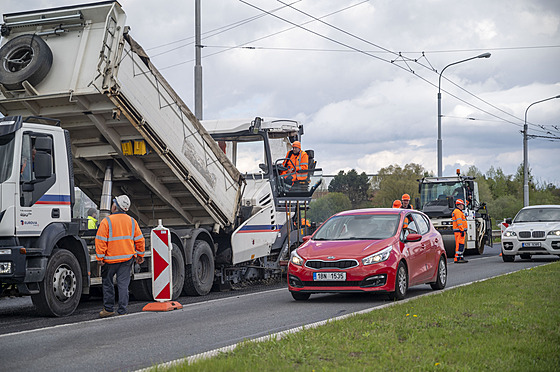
(509, 323)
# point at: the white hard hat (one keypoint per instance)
(123, 202)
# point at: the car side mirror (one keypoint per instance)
(306, 238)
(508, 221)
(413, 238)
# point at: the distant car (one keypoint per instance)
(535, 230)
(369, 250)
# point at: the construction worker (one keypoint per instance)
(406, 202)
(296, 160)
(118, 243)
(459, 228)
(397, 204)
(92, 218)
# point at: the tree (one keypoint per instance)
(395, 181)
(352, 184)
(323, 208)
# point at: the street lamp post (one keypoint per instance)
(439, 153)
(525, 154)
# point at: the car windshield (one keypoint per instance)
(359, 227)
(538, 215)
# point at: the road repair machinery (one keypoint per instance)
(84, 107)
(437, 200)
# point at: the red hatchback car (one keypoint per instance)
(369, 250)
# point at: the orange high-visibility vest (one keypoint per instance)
(119, 239)
(459, 220)
(296, 163)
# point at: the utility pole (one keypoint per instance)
(198, 65)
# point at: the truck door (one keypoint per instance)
(39, 193)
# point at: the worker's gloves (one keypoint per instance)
(462, 233)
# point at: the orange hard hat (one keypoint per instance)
(460, 201)
(397, 204)
(406, 197)
(297, 144)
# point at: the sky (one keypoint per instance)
(363, 76)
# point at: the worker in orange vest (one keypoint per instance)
(296, 160)
(119, 241)
(459, 228)
(406, 202)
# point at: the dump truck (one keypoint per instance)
(437, 200)
(84, 107)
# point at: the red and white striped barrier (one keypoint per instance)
(162, 278)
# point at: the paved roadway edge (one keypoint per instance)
(279, 335)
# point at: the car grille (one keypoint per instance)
(340, 264)
(533, 234)
(349, 283)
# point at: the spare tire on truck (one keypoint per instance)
(25, 57)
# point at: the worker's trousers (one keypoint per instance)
(122, 271)
(459, 246)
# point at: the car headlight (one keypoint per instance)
(296, 259)
(508, 233)
(380, 256)
(554, 232)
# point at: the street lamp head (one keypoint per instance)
(484, 55)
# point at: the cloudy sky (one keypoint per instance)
(363, 75)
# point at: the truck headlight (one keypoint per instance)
(380, 256)
(554, 232)
(508, 234)
(296, 259)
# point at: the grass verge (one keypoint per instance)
(509, 323)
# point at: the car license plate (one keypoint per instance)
(531, 244)
(336, 276)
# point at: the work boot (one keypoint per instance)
(104, 313)
(461, 260)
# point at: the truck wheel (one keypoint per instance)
(401, 283)
(177, 271)
(441, 278)
(25, 57)
(60, 291)
(298, 296)
(199, 276)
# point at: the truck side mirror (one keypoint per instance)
(42, 165)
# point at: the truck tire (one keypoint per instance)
(61, 289)
(177, 271)
(401, 283)
(441, 276)
(25, 57)
(199, 276)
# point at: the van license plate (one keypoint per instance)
(336, 276)
(531, 244)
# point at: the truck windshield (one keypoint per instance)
(437, 193)
(6, 156)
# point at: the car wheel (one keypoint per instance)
(299, 296)
(508, 258)
(401, 283)
(525, 256)
(441, 279)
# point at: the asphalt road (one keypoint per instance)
(142, 339)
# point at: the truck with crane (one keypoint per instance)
(84, 107)
(437, 200)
